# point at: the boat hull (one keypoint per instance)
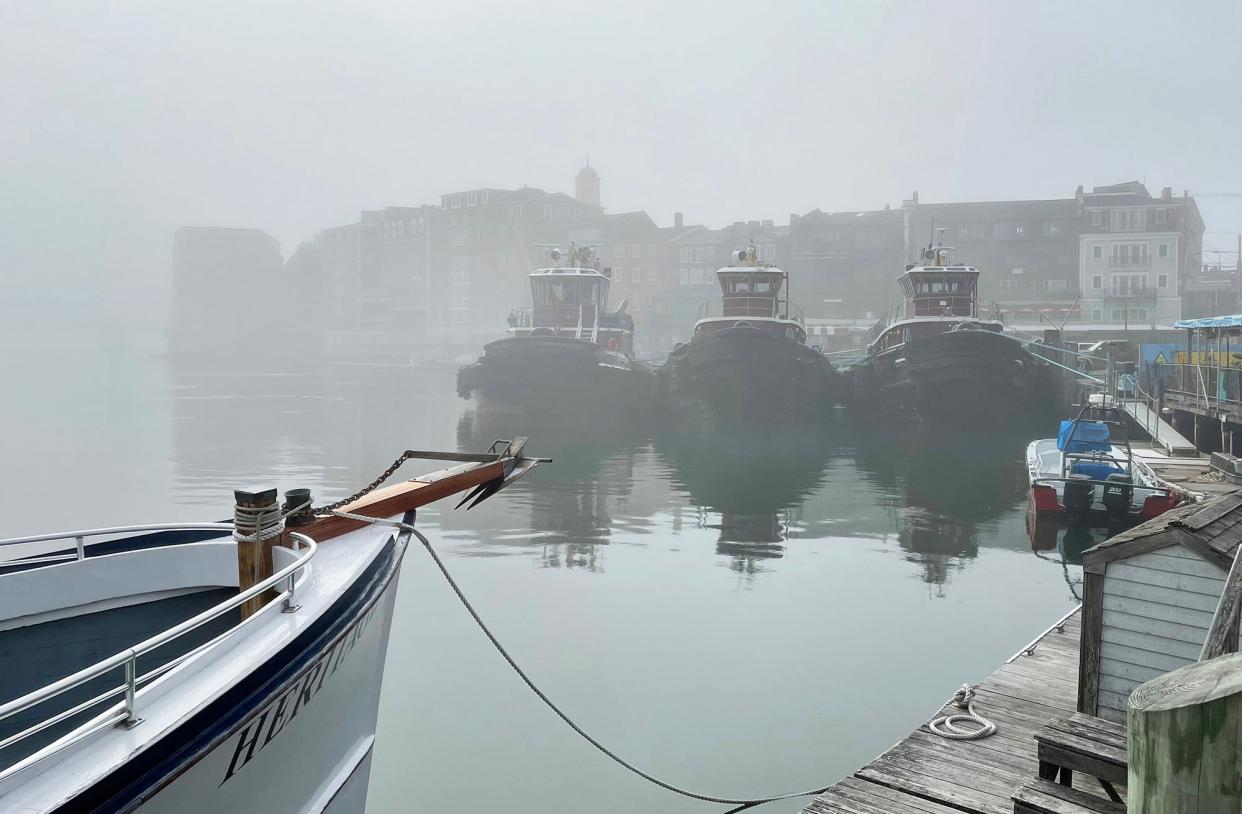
(1148, 497)
(962, 377)
(294, 735)
(744, 373)
(549, 372)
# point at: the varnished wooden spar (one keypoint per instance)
(486, 477)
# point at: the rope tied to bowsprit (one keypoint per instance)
(406, 525)
(947, 726)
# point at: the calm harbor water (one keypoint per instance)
(739, 614)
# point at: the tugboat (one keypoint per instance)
(748, 356)
(935, 359)
(567, 348)
(1085, 473)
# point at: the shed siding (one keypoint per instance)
(1156, 612)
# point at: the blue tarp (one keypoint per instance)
(1094, 470)
(1234, 321)
(1089, 436)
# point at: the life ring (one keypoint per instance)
(612, 343)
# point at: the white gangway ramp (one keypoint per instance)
(1162, 433)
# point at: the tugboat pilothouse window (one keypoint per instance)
(553, 292)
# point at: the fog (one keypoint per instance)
(125, 121)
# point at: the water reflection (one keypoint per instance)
(597, 483)
(1064, 541)
(942, 489)
(755, 482)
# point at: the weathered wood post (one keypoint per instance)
(256, 528)
(1185, 738)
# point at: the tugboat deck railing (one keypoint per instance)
(125, 712)
(936, 305)
(753, 307)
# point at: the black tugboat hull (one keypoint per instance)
(962, 378)
(554, 373)
(745, 373)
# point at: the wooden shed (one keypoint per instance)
(1149, 595)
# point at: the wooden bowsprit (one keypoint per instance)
(481, 475)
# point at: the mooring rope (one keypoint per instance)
(946, 725)
(741, 803)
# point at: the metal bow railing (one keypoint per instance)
(125, 713)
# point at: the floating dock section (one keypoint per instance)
(926, 774)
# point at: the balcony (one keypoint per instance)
(1129, 261)
(1133, 294)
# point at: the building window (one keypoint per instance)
(636, 275)
(1162, 280)
(1116, 315)
(1097, 281)
(636, 251)
(1019, 229)
(1130, 254)
(1008, 285)
(1127, 285)
(455, 202)
(1018, 270)
(684, 276)
(1097, 218)
(1052, 286)
(1097, 252)
(651, 250)
(696, 276)
(483, 197)
(1162, 250)
(618, 252)
(1142, 315)
(1162, 215)
(1097, 315)
(1128, 220)
(1052, 228)
(651, 273)
(472, 199)
(709, 253)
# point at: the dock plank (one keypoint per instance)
(926, 774)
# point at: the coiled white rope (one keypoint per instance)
(946, 725)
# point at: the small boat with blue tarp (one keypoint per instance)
(1090, 470)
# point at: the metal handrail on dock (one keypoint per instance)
(1058, 625)
(125, 713)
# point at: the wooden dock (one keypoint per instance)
(927, 774)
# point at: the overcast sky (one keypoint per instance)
(125, 120)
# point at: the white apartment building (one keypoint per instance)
(1135, 253)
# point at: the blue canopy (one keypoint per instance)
(1089, 436)
(1234, 321)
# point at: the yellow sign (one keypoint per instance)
(1208, 358)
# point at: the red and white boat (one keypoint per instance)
(1086, 472)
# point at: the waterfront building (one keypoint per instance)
(1137, 253)
(408, 281)
(1026, 251)
(223, 271)
(845, 264)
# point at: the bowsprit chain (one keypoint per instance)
(368, 489)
